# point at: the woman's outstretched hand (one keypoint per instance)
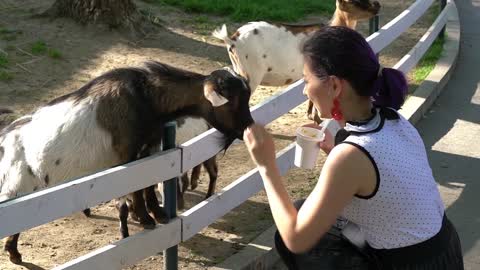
(260, 146)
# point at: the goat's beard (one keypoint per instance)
(227, 142)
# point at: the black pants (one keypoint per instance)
(334, 251)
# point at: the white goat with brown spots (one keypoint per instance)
(269, 54)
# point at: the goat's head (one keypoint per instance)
(358, 9)
(228, 111)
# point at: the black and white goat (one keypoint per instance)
(114, 119)
(269, 54)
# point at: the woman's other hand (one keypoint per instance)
(260, 146)
(328, 141)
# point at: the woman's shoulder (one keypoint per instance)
(348, 154)
(355, 165)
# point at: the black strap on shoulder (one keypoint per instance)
(341, 136)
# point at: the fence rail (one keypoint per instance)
(47, 205)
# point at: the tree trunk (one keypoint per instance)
(114, 13)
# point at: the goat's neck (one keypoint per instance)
(184, 100)
(340, 19)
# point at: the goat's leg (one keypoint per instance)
(195, 176)
(87, 212)
(181, 188)
(184, 182)
(122, 208)
(153, 205)
(212, 169)
(138, 205)
(11, 247)
(130, 210)
(180, 197)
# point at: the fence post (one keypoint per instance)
(373, 25)
(443, 4)
(170, 255)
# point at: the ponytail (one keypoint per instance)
(390, 88)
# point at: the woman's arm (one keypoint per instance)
(340, 180)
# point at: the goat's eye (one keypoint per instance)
(224, 92)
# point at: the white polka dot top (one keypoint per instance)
(406, 207)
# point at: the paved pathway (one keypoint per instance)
(451, 131)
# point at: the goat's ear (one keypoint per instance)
(211, 95)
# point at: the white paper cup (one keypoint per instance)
(306, 149)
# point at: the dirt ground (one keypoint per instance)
(87, 52)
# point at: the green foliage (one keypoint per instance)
(249, 10)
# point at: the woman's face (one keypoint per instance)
(319, 91)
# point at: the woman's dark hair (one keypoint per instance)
(343, 52)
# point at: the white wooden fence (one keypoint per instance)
(47, 205)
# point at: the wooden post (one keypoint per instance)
(170, 197)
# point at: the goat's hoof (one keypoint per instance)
(134, 217)
(147, 223)
(124, 233)
(15, 257)
(87, 212)
(162, 220)
(148, 226)
(160, 216)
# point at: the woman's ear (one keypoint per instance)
(337, 86)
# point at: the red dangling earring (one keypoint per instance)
(336, 112)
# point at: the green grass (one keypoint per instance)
(10, 48)
(9, 34)
(249, 10)
(40, 47)
(54, 53)
(428, 61)
(5, 76)
(3, 60)
(202, 24)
